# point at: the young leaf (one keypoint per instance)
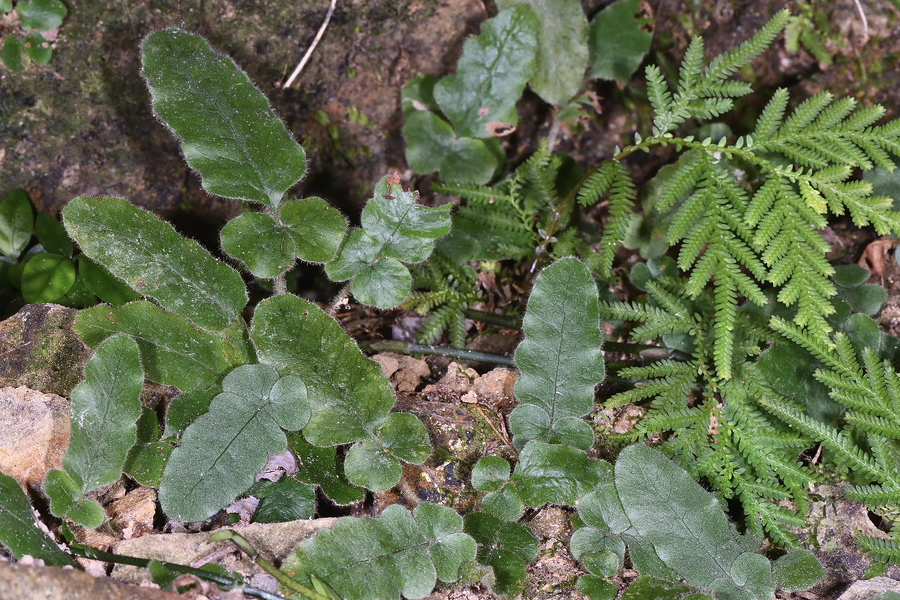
(105, 409)
(395, 228)
(562, 47)
(147, 458)
(618, 41)
(316, 227)
(223, 449)
(11, 53)
(284, 500)
(321, 467)
(18, 530)
(491, 74)
(37, 48)
(429, 139)
(16, 220)
(384, 557)
(52, 235)
(47, 278)
(798, 569)
(67, 502)
(156, 261)
(228, 131)
(559, 358)
(259, 242)
(173, 352)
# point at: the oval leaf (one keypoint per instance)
(228, 131)
(42, 15)
(428, 140)
(16, 218)
(47, 278)
(256, 240)
(223, 449)
(316, 227)
(156, 261)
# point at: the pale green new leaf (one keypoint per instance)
(16, 222)
(316, 227)
(349, 397)
(491, 74)
(20, 532)
(618, 41)
(559, 358)
(381, 558)
(105, 410)
(67, 502)
(260, 243)
(173, 352)
(156, 261)
(395, 230)
(42, 15)
(562, 47)
(228, 131)
(223, 449)
(47, 278)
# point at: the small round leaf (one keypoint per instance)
(256, 240)
(47, 278)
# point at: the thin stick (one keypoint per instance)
(865, 22)
(312, 47)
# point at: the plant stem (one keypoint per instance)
(249, 550)
(222, 581)
(460, 353)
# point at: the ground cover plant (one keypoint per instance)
(735, 290)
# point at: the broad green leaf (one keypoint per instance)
(100, 282)
(404, 435)
(284, 500)
(47, 278)
(316, 227)
(20, 532)
(186, 407)
(428, 141)
(559, 358)
(490, 474)
(368, 464)
(798, 569)
(16, 217)
(67, 502)
(590, 546)
(685, 524)
(173, 352)
(349, 397)
(562, 47)
(11, 53)
(395, 228)
(470, 161)
(259, 242)
(105, 410)
(556, 474)
(491, 74)
(321, 467)
(228, 131)
(508, 548)
(222, 450)
(396, 553)
(52, 235)
(596, 588)
(42, 15)
(617, 41)
(418, 95)
(37, 48)
(156, 261)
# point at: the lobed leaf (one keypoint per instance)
(222, 450)
(173, 352)
(228, 132)
(260, 243)
(491, 74)
(20, 532)
(395, 230)
(381, 558)
(156, 261)
(507, 548)
(66, 501)
(559, 358)
(562, 47)
(316, 227)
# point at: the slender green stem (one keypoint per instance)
(222, 581)
(286, 581)
(459, 353)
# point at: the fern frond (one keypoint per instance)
(874, 495)
(621, 206)
(885, 550)
(727, 63)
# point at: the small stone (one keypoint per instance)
(34, 434)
